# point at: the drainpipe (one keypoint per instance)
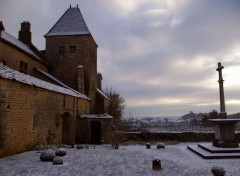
(73, 117)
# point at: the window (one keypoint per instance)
(61, 49)
(72, 49)
(23, 67)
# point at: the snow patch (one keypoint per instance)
(127, 160)
(96, 116)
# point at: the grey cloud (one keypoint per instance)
(144, 45)
(209, 26)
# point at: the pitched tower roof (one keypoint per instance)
(71, 23)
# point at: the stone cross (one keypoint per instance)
(223, 113)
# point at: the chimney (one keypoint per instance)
(80, 79)
(24, 34)
(99, 81)
(1, 28)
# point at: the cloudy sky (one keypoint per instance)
(160, 55)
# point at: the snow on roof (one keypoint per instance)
(18, 44)
(103, 94)
(96, 116)
(71, 23)
(53, 78)
(11, 74)
(57, 80)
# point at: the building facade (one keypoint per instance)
(51, 96)
(72, 54)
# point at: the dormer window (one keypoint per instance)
(72, 49)
(61, 49)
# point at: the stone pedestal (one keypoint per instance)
(225, 133)
(148, 145)
(156, 164)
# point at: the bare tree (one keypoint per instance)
(116, 104)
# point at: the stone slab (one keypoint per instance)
(208, 155)
(212, 149)
(232, 121)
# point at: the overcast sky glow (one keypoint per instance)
(160, 55)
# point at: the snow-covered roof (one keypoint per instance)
(11, 74)
(102, 94)
(53, 78)
(9, 38)
(96, 116)
(71, 23)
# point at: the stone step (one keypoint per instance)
(212, 149)
(208, 155)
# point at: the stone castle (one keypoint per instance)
(52, 96)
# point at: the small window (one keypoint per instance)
(61, 49)
(23, 67)
(72, 49)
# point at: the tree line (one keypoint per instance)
(203, 118)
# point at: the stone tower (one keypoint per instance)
(71, 52)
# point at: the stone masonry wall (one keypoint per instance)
(30, 116)
(64, 65)
(83, 129)
(170, 136)
(13, 56)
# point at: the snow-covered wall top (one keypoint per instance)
(96, 116)
(57, 80)
(103, 94)
(11, 74)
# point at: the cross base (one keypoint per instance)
(223, 115)
(225, 144)
(225, 133)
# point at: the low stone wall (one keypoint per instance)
(180, 137)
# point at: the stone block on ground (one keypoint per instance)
(148, 145)
(57, 160)
(160, 145)
(156, 164)
(218, 171)
(47, 155)
(80, 146)
(60, 152)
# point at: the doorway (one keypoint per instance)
(96, 132)
(67, 128)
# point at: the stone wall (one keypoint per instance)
(83, 129)
(64, 65)
(180, 137)
(12, 57)
(30, 115)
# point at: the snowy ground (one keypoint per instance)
(128, 160)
